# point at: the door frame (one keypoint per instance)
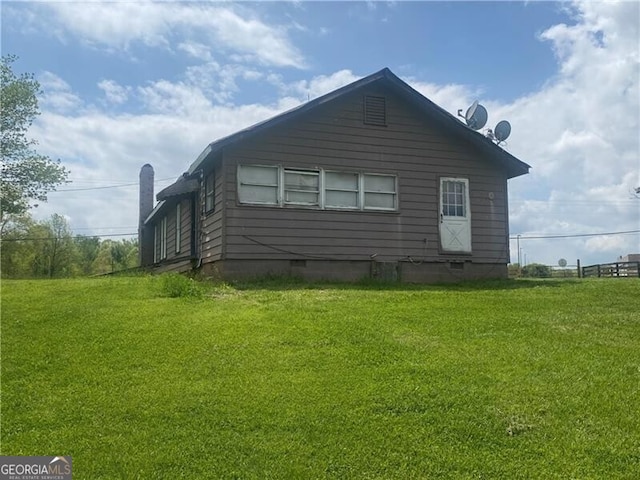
(466, 219)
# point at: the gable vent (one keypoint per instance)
(375, 110)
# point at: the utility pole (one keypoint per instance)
(519, 255)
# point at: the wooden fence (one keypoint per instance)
(618, 269)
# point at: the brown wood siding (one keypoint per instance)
(175, 261)
(182, 265)
(212, 223)
(334, 136)
(185, 223)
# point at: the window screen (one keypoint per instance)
(301, 187)
(341, 189)
(209, 192)
(258, 184)
(380, 192)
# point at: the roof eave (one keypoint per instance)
(155, 212)
(514, 166)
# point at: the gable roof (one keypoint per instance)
(385, 77)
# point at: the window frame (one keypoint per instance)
(357, 191)
(241, 183)
(285, 190)
(394, 193)
(178, 227)
(160, 241)
(281, 189)
(463, 204)
(210, 192)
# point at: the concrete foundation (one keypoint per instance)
(352, 271)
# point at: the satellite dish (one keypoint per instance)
(471, 110)
(502, 131)
(476, 116)
(562, 262)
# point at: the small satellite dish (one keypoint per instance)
(502, 131)
(562, 262)
(476, 116)
(471, 110)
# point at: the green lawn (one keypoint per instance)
(519, 379)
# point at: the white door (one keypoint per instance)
(455, 215)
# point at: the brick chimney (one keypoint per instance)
(145, 233)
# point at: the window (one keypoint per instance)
(341, 190)
(375, 110)
(454, 202)
(258, 184)
(274, 185)
(160, 242)
(209, 192)
(178, 226)
(379, 192)
(301, 187)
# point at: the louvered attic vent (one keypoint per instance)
(375, 110)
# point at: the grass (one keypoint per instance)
(520, 379)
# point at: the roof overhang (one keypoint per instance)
(160, 207)
(181, 187)
(513, 166)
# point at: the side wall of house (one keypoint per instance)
(333, 136)
(212, 222)
(176, 259)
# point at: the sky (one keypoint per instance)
(129, 83)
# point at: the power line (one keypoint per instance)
(535, 237)
(74, 237)
(84, 189)
(521, 237)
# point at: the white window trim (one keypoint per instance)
(321, 205)
(357, 191)
(278, 185)
(314, 173)
(156, 234)
(394, 192)
(209, 193)
(467, 202)
(178, 226)
(163, 238)
(160, 241)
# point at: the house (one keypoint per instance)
(370, 180)
(630, 257)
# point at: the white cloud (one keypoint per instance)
(580, 134)
(57, 94)
(114, 93)
(196, 50)
(320, 85)
(450, 97)
(179, 99)
(232, 29)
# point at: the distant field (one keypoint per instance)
(519, 379)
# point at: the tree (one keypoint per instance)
(87, 250)
(18, 252)
(116, 255)
(27, 176)
(55, 249)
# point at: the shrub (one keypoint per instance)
(536, 270)
(175, 285)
